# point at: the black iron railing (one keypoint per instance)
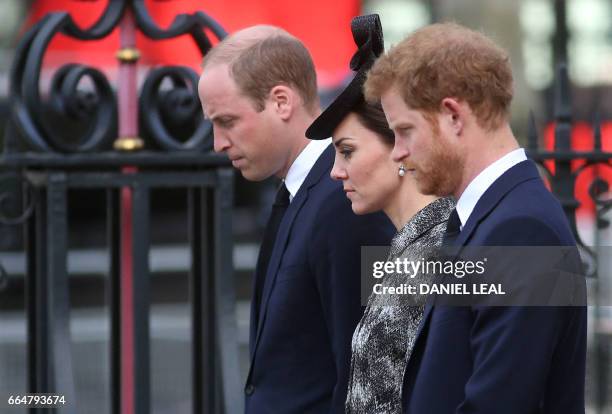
(63, 140)
(563, 178)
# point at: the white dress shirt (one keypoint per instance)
(477, 187)
(303, 164)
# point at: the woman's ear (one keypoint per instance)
(454, 112)
(283, 99)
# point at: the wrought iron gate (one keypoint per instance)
(66, 139)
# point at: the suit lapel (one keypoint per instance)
(519, 173)
(320, 168)
(523, 171)
(279, 249)
(424, 320)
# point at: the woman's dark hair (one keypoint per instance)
(372, 117)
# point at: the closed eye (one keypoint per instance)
(224, 122)
(343, 148)
(346, 153)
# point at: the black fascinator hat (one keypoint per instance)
(367, 32)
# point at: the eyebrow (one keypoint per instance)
(339, 142)
(222, 115)
(402, 124)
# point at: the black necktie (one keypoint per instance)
(453, 228)
(278, 211)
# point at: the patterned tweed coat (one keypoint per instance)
(384, 338)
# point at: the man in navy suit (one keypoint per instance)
(258, 87)
(446, 91)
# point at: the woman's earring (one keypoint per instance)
(402, 170)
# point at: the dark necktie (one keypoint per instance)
(453, 228)
(278, 211)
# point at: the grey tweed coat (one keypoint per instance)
(384, 338)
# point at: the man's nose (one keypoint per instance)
(220, 141)
(400, 151)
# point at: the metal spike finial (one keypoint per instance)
(562, 109)
(562, 102)
(597, 131)
(532, 132)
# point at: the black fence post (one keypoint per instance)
(113, 240)
(224, 295)
(141, 297)
(57, 314)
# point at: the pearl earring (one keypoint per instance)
(402, 170)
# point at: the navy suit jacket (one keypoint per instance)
(300, 344)
(514, 360)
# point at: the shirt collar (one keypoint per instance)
(477, 187)
(303, 164)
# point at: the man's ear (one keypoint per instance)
(454, 113)
(283, 99)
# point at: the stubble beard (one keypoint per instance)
(440, 174)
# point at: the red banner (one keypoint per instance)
(323, 26)
(583, 140)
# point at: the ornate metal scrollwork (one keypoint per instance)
(37, 120)
(600, 188)
(4, 279)
(176, 107)
(103, 26)
(10, 198)
(563, 181)
(11, 212)
(179, 106)
(597, 190)
(81, 97)
(193, 24)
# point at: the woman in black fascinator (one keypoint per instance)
(384, 338)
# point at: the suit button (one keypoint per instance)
(249, 390)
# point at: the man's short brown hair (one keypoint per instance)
(446, 60)
(268, 58)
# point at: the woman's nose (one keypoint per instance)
(338, 173)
